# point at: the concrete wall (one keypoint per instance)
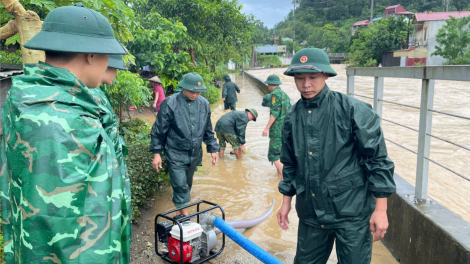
(426, 233)
(433, 27)
(260, 84)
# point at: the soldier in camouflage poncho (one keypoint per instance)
(280, 104)
(65, 189)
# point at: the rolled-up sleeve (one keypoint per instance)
(288, 160)
(374, 159)
(160, 129)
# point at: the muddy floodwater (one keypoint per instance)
(449, 96)
(244, 188)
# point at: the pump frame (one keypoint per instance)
(165, 256)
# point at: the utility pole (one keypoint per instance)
(293, 40)
(447, 5)
(371, 11)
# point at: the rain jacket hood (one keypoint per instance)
(229, 92)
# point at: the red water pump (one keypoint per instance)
(175, 253)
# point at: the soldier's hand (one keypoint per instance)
(283, 215)
(223, 99)
(157, 162)
(265, 132)
(215, 158)
(243, 149)
(378, 224)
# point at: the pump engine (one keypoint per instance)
(197, 242)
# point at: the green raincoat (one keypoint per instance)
(335, 160)
(234, 123)
(65, 194)
(229, 92)
(181, 127)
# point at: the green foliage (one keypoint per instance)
(11, 58)
(419, 63)
(128, 89)
(145, 180)
(270, 60)
(370, 42)
(13, 40)
(453, 41)
(328, 37)
(212, 94)
(371, 63)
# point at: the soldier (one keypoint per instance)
(65, 198)
(280, 104)
(335, 161)
(183, 123)
(266, 100)
(231, 128)
(229, 93)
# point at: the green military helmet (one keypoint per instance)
(116, 61)
(310, 60)
(76, 29)
(273, 79)
(254, 112)
(267, 100)
(192, 82)
(227, 77)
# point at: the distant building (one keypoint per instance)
(287, 39)
(376, 19)
(394, 11)
(268, 49)
(423, 43)
(359, 24)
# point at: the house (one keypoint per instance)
(426, 26)
(359, 24)
(268, 49)
(375, 20)
(395, 10)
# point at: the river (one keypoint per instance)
(244, 188)
(449, 96)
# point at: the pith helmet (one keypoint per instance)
(76, 29)
(310, 60)
(267, 100)
(254, 112)
(155, 79)
(116, 61)
(192, 82)
(227, 77)
(273, 79)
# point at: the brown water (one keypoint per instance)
(244, 188)
(449, 96)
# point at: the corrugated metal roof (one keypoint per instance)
(362, 23)
(440, 15)
(8, 74)
(267, 49)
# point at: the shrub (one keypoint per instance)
(371, 63)
(270, 60)
(11, 58)
(212, 94)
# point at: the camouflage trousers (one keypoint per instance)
(226, 137)
(274, 152)
(232, 106)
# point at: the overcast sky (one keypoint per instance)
(268, 11)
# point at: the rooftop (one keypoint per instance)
(362, 23)
(419, 17)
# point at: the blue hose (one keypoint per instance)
(245, 243)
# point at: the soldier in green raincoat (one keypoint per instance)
(183, 123)
(336, 163)
(229, 93)
(267, 100)
(65, 196)
(231, 128)
(280, 104)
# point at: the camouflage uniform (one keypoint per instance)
(226, 137)
(65, 190)
(280, 104)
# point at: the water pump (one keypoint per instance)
(187, 241)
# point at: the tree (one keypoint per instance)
(453, 40)
(16, 19)
(327, 37)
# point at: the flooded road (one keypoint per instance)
(244, 188)
(449, 96)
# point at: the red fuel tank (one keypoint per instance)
(175, 253)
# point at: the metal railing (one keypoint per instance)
(338, 54)
(427, 74)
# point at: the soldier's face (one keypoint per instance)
(96, 65)
(109, 76)
(191, 95)
(310, 84)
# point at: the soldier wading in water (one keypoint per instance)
(65, 195)
(183, 123)
(335, 161)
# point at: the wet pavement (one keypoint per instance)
(453, 97)
(244, 188)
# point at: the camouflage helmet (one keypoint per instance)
(76, 29)
(254, 112)
(192, 82)
(310, 60)
(116, 62)
(273, 79)
(267, 100)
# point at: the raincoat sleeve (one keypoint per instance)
(240, 129)
(160, 128)
(209, 138)
(288, 159)
(237, 88)
(224, 91)
(372, 150)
